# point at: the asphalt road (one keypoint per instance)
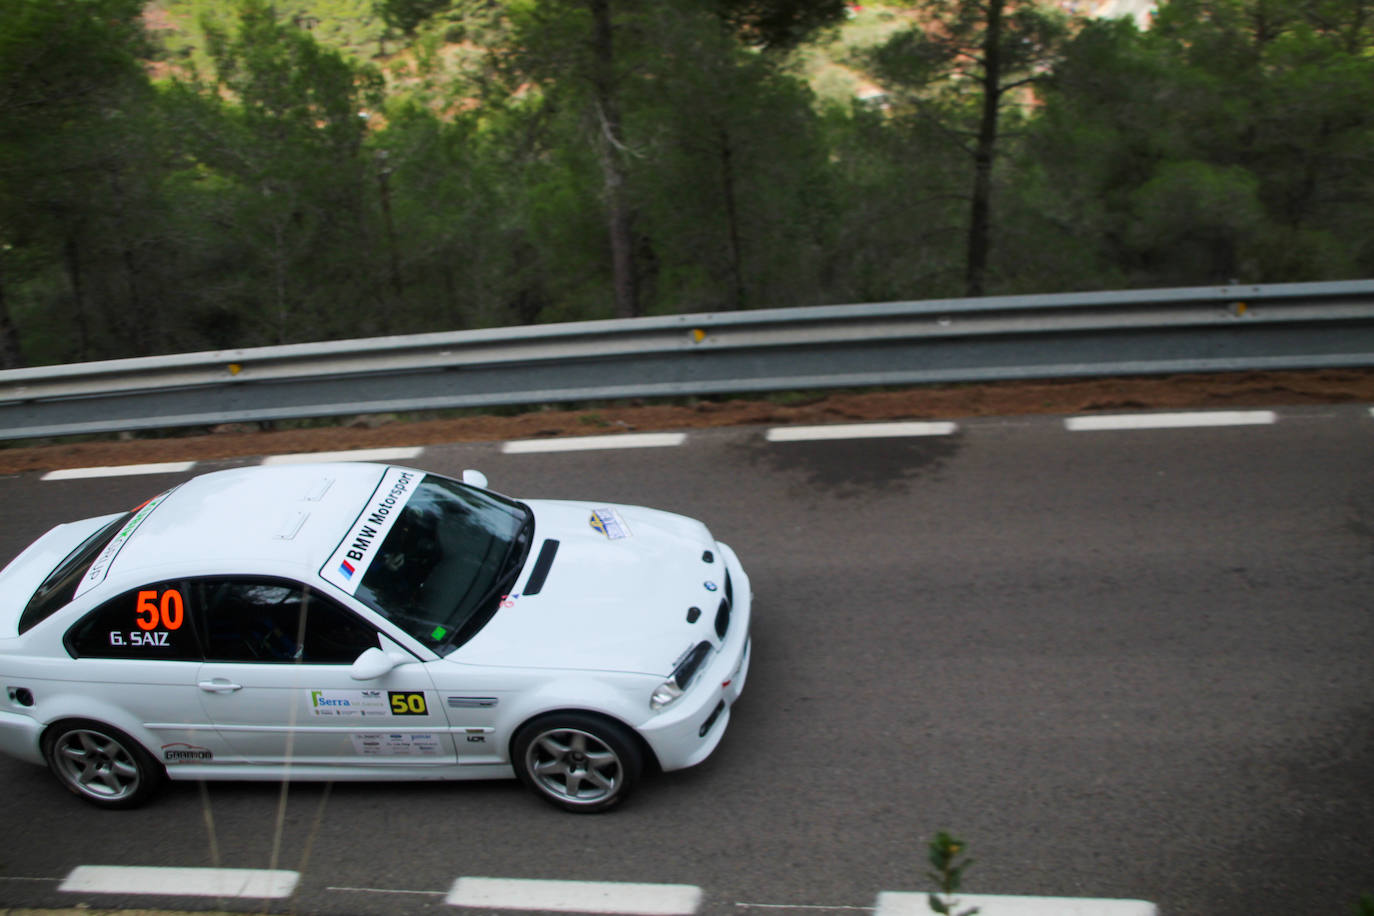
(1118, 664)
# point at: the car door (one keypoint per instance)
(277, 681)
(137, 658)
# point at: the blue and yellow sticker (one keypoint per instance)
(608, 522)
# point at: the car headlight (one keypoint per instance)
(684, 674)
(664, 694)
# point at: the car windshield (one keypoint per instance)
(448, 561)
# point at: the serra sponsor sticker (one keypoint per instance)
(351, 703)
(368, 703)
(349, 562)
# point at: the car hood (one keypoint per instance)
(616, 596)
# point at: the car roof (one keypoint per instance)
(242, 519)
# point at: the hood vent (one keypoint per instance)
(723, 612)
(541, 567)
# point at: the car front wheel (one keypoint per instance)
(101, 764)
(577, 761)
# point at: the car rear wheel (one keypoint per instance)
(101, 764)
(578, 761)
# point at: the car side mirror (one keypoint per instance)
(475, 478)
(373, 663)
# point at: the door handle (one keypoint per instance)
(219, 685)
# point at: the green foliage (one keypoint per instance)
(550, 160)
(357, 28)
(961, 72)
(968, 46)
(779, 24)
(290, 184)
(947, 874)
(76, 148)
(407, 15)
(1232, 141)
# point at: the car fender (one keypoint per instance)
(622, 698)
(57, 707)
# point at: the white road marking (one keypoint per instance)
(590, 443)
(179, 882)
(860, 431)
(124, 470)
(1171, 420)
(576, 896)
(385, 890)
(801, 906)
(897, 903)
(362, 454)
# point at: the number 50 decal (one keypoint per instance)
(166, 610)
(406, 704)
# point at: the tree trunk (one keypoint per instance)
(985, 151)
(11, 357)
(397, 287)
(727, 171)
(611, 143)
(143, 320)
(73, 259)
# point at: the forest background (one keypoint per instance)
(181, 175)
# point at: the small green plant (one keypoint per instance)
(948, 875)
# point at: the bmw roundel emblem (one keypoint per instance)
(710, 586)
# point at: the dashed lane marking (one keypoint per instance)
(127, 470)
(1192, 419)
(841, 907)
(1171, 420)
(591, 443)
(181, 882)
(905, 903)
(364, 454)
(576, 896)
(624, 899)
(386, 890)
(859, 431)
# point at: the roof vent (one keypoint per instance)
(316, 493)
(291, 526)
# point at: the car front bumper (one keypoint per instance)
(688, 731)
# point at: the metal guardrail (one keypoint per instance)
(1289, 326)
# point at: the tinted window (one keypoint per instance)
(147, 623)
(274, 621)
(57, 590)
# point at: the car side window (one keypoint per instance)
(149, 623)
(266, 621)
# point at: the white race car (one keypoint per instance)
(361, 622)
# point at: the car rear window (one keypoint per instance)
(58, 589)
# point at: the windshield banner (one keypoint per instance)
(96, 574)
(355, 553)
